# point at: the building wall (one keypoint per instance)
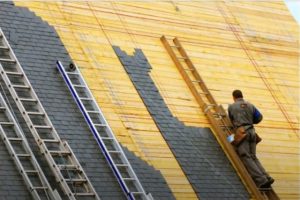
(261, 58)
(38, 47)
(196, 149)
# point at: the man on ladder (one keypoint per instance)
(243, 115)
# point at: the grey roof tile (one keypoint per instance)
(196, 149)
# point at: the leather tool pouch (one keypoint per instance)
(239, 136)
(257, 138)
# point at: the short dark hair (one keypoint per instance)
(237, 94)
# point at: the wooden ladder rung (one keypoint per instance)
(188, 69)
(197, 81)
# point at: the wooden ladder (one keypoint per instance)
(236, 29)
(216, 114)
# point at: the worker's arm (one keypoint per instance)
(229, 113)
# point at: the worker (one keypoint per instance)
(241, 115)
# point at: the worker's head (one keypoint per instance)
(236, 94)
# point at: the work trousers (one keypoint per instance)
(247, 153)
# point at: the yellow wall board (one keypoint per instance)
(271, 37)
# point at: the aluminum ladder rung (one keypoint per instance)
(137, 193)
(76, 180)
(79, 86)
(107, 138)
(4, 48)
(50, 141)
(86, 99)
(42, 127)
(101, 125)
(129, 179)
(122, 165)
(14, 73)
(31, 171)
(2, 108)
(28, 100)
(7, 123)
(72, 73)
(14, 139)
(114, 152)
(84, 194)
(7, 60)
(92, 111)
(60, 153)
(39, 188)
(35, 113)
(68, 167)
(23, 155)
(20, 86)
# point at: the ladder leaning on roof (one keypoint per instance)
(103, 134)
(58, 154)
(19, 149)
(216, 114)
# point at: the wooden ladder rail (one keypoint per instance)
(211, 110)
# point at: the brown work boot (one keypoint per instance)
(271, 180)
(267, 184)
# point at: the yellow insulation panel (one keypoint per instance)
(124, 110)
(263, 61)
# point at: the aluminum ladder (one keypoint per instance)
(103, 134)
(215, 113)
(60, 158)
(20, 151)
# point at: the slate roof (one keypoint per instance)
(37, 47)
(196, 149)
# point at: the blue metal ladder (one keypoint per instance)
(103, 134)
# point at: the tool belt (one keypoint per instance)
(240, 135)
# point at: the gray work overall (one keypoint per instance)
(241, 114)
